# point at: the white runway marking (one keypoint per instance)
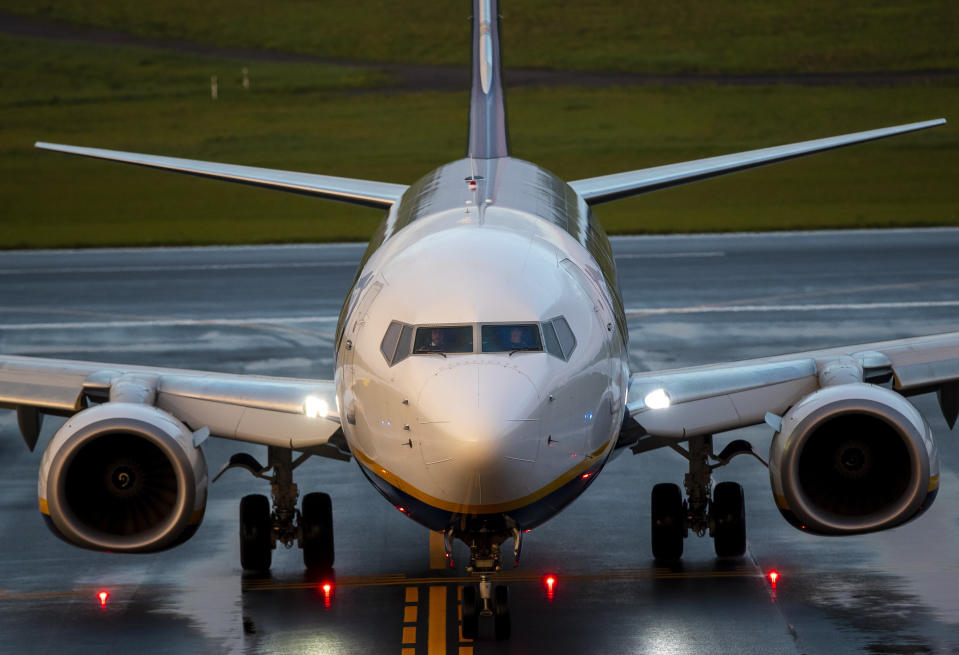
(175, 267)
(719, 309)
(171, 322)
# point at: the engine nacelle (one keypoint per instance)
(853, 458)
(123, 477)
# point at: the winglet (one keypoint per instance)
(488, 137)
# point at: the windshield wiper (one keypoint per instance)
(426, 351)
(524, 349)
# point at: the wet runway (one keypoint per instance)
(272, 310)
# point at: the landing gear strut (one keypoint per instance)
(485, 599)
(719, 512)
(262, 529)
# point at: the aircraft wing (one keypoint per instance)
(621, 185)
(689, 402)
(344, 189)
(284, 412)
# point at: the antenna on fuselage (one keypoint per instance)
(488, 135)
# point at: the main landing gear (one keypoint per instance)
(261, 528)
(485, 599)
(723, 515)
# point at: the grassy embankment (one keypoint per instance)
(742, 36)
(332, 120)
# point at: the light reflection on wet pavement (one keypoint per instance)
(886, 593)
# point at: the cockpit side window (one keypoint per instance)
(396, 342)
(511, 338)
(443, 339)
(560, 341)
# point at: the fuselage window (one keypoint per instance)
(443, 339)
(559, 338)
(396, 342)
(567, 341)
(511, 338)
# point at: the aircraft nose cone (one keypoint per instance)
(479, 429)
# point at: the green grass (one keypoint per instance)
(745, 36)
(332, 120)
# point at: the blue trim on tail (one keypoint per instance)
(488, 137)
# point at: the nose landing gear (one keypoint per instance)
(485, 599)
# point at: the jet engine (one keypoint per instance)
(853, 458)
(123, 477)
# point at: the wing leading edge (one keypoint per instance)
(621, 185)
(714, 398)
(283, 412)
(359, 192)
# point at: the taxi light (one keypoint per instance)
(315, 407)
(102, 597)
(656, 399)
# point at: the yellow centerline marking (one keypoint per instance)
(409, 635)
(412, 595)
(410, 614)
(437, 625)
(459, 617)
(437, 551)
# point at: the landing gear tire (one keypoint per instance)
(471, 612)
(256, 524)
(668, 522)
(729, 520)
(502, 625)
(316, 524)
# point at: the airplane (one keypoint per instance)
(481, 383)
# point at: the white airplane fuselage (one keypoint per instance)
(483, 440)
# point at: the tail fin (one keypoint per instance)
(488, 136)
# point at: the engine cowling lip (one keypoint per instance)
(158, 537)
(819, 520)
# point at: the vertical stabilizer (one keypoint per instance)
(488, 135)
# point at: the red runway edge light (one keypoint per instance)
(550, 584)
(773, 577)
(102, 598)
(327, 589)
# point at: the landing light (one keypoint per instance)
(315, 407)
(656, 399)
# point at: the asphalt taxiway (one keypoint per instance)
(272, 310)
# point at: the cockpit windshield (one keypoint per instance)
(509, 338)
(443, 339)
